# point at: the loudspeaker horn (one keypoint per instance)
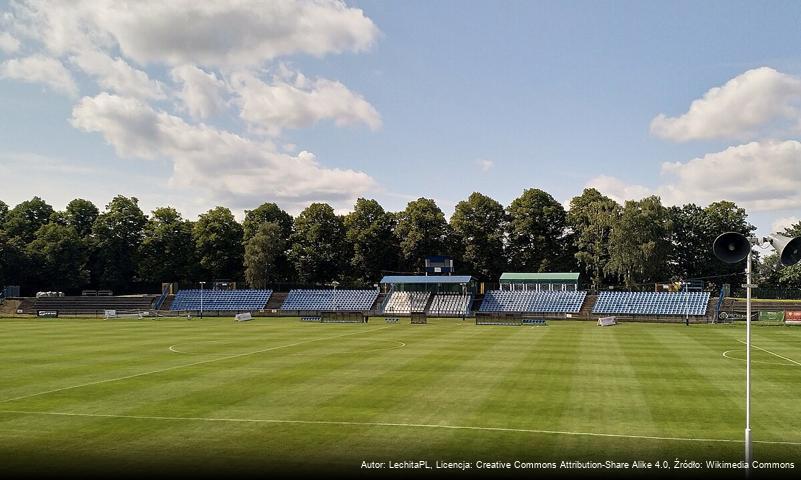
(789, 249)
(731, 247)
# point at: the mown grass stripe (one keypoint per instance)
(167, 369)
(406, 425)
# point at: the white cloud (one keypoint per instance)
(8, 43)
(202, 94)
(197, 50)
(58, 180)
(40, 69)
(617, 189)
(744, 107)
(781, 223)
(223, 165)
(759, 176)
(293, 101)
(116, 75)
(45, 164)
(484, 164)
(239, 33)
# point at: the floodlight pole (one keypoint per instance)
(748, 450)
(201, 299)
(686, 304)
(335, 284)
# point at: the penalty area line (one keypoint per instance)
(201, 362)
(389, 424)
(772, 353)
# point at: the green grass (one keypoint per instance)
(766, 300)
(86, 395)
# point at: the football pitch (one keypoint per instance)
(211, 395)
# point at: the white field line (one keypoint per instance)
(725, 354)
(202, 362)
(772, 353)
(387, 424)
(400, 345)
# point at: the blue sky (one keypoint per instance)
(693, 101)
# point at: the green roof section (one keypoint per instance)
(540, 277)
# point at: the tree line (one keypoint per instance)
(632, 245)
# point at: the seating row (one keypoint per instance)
(652, 303)
(330, 300)
(450, 304)
(533, 301)
(407, 302)
(219, 300)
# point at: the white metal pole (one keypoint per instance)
(748, 449)
(686, 303)
(201, 299)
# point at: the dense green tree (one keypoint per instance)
(319, 251)
(690, 239)
(218, 243)
(167, 252)
(60, 256)
(12, 260)
(26, 218)
(537, 233)
(270, 212)
(639, 243)
(116, 237)
(421, 231)
(694, 231)
(262, 252)
(772, 276)
(370, 233)
(266, 212)
(591, 218)
(3, 213)
(81, 214)
(479, 225)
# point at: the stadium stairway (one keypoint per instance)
(429, 302)
(167, 302)
(276, 300)
(9, 306)
(477, 301)
(379, 301)
(586, 307)
(28, 306)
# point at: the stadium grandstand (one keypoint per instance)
(517, 296)
(89, 304)
(330, 300)
(533, 301)
(437, 295)
(450, 304)
(220, 300)
(652, 303)
(539, 292)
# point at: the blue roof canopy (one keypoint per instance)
(427, 279)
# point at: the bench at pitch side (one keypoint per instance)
(535, 322)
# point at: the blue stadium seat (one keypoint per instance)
(532, 301)
(330, 300)
(652, 303)
(221, 300)
(406, 302)
(450, 304)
